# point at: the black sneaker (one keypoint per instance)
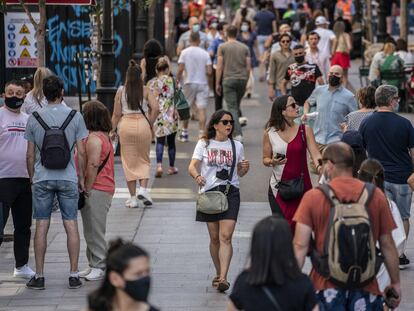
(404, 262)
(74, 282)
(36, 283)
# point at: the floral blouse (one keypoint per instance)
(167, 120)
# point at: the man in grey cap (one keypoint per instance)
(326, 35)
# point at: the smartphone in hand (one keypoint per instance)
(280, 156)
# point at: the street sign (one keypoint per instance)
(53, 2)
(21, 51)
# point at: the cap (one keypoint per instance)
(321, 20)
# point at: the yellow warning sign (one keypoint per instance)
(25, 53)
(25, 41)
(24, 29)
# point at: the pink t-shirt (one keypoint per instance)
(13, 146)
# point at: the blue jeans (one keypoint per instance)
(401, 194)
(334, 299)
(43, 195)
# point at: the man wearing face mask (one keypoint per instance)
(302, 77)
(389, 138)
(333, 102)
(184, 41)
(15, 192)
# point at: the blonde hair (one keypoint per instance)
(163, 64)
(389, 48)
(40, 74)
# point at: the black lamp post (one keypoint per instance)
(106, 90)
(141, 25)
(382, 22)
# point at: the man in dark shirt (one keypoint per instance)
(302, 76)
(181, 23)
(389, 138)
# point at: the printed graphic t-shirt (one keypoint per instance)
(216, 156)
(303, 79)
(13, 146)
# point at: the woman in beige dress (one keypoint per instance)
(135, 111)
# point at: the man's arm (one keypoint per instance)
(301, 242)
(30, 159)
(410, 180)
(248, 63)
(320, 81)
(209, 70)
(219, 73)
(80, 147)
(180, 71)
(283, 86)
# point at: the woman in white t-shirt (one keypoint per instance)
(35, 100)
(214, 156)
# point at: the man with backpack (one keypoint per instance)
(52, 134)
(347, 219)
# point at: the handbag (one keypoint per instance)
(215, 202)
(180, 103)
(293, 188)
(82, 198)
(271, 298)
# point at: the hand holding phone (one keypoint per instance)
(280, 156)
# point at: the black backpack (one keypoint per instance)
(55, 152)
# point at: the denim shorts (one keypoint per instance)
(401, 194)
(333, 299)
(44, 193)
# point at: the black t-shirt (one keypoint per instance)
(182, 26)
(264, 20)
(298, 295)
(388, 138)
(303, 80)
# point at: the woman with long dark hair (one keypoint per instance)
(273, 276)
(135, 110)
(127, 280)
(285, 146)
(210, 167)
(152, 52)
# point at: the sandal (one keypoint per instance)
(223, 285)
(215, 281)
(172, 171)
(158, 173)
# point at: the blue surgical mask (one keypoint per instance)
(397, 107)
(214, 25)
(244, 28)
(196, 28)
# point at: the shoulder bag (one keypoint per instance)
(81, 201)
(215, 202)
(271, 298)
(293, 188)
(180, 103)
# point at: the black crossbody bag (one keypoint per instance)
(293, 188)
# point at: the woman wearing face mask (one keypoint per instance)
(285, 144)
(212, 33)
(127, 280)
(249, 38)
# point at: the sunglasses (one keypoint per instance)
(293, 105)
(227, 122)
(285, 41)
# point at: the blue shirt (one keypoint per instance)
(332, 107)
(388, 138)
(214, 48)
(264, 19)
(54, 116)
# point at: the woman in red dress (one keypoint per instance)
(284, 149)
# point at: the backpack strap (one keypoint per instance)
(366, 194)
(40, 120)
(68, 119)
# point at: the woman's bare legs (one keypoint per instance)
(226, 229)
(213, 231)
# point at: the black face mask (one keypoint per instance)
(13, 102)
(138, 289)
(300, 59)
(334, 81)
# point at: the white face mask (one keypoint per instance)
(244, 28)
(196, 28)
(214, 25)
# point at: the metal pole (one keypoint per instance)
(382, 22)
(404, 20)
(106, 90)
(141, 29)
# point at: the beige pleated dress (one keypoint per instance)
(135, 137)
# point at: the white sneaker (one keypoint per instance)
(85, 272)
(144, 197)
(23, 272)
(132, 202)
(95, 274)
(239, 138)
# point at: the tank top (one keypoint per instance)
(342, 45)
(124, 103)
(105, 180)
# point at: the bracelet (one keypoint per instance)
(197, 177)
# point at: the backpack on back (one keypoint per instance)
(55, 152)
(350, 258)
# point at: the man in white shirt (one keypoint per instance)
(15, 193)
(326, 35)
(316, 56)
(197, 64)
